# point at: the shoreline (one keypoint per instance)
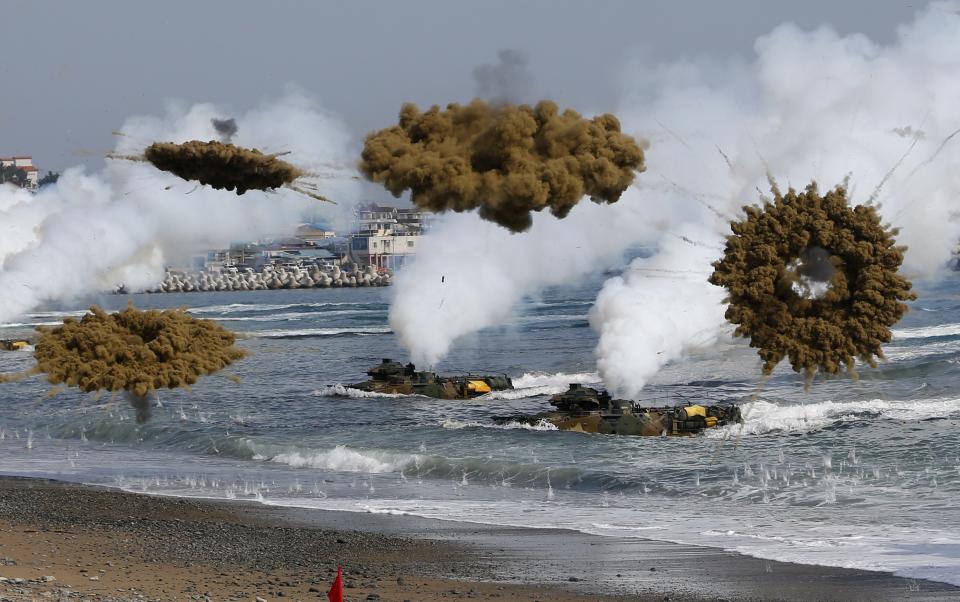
(237, 549)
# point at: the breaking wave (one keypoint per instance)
(29, 324)
(298, 315)
(342, 458)
(761, 417)
(918, 351)
(263, 307)
(306, 333)
(345, 391)
(541, 425)
(539, 383)
(921, 332)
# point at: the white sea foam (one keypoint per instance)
(540, 383)
(30, 324)
(762, 417)
(557, 379)
(541, 425)
(922, 332)
(339, 390)
(342, 458)
(293, 315)
(917, 351)
(319, 332)
(260, 307)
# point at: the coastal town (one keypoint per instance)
(381, 239)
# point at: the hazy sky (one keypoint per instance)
(73, 71)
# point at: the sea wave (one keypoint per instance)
(304, 333)
(298, 315)
(541, 425)
(533, 384)
(343, 459)
(761, 417)
(339, 390)
(917, 351)
(30, 324)
(939, 330)
(264, 307)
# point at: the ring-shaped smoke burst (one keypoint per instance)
(814, 280)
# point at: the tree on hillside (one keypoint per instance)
(13, 174)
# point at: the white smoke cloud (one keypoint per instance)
(656, 312)
(91, 232)
(809, 106)
(469, 273)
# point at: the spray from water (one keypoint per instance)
(93, 231)
(810, 105)
(861, 127)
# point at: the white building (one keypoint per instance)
(26, 164)
(386, 237)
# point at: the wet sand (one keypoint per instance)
(101, 544)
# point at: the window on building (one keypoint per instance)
(409, 243)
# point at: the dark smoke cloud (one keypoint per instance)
(134, 351)
(221, 165)
(227, 128)
(504, 160)
(508, 81)
(806, 235)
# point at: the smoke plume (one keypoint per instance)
(810, 105)
(508, 81)
(226, 128)
(93, 231)
(506, 161)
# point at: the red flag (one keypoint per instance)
(336, 591)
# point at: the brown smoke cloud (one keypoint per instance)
(133, 351)
(814, 280)
(505, 160)
(222, 165)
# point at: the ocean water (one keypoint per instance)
(859, 474)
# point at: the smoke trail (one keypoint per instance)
(227, 128)
(789, 112)
(508, 81)
(91, 232)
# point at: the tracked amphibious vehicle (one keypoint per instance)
(393, 377)
(585, 409)
(14, 344)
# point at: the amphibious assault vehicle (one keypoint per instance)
(13, 344)
(393, 377)
(588, 410)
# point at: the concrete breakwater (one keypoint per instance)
(248, 279)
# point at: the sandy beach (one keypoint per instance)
(62, 541)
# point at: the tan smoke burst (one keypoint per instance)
(132, 351)
(222, 165)
(225, 166)
(799, 240)
(505, 160)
